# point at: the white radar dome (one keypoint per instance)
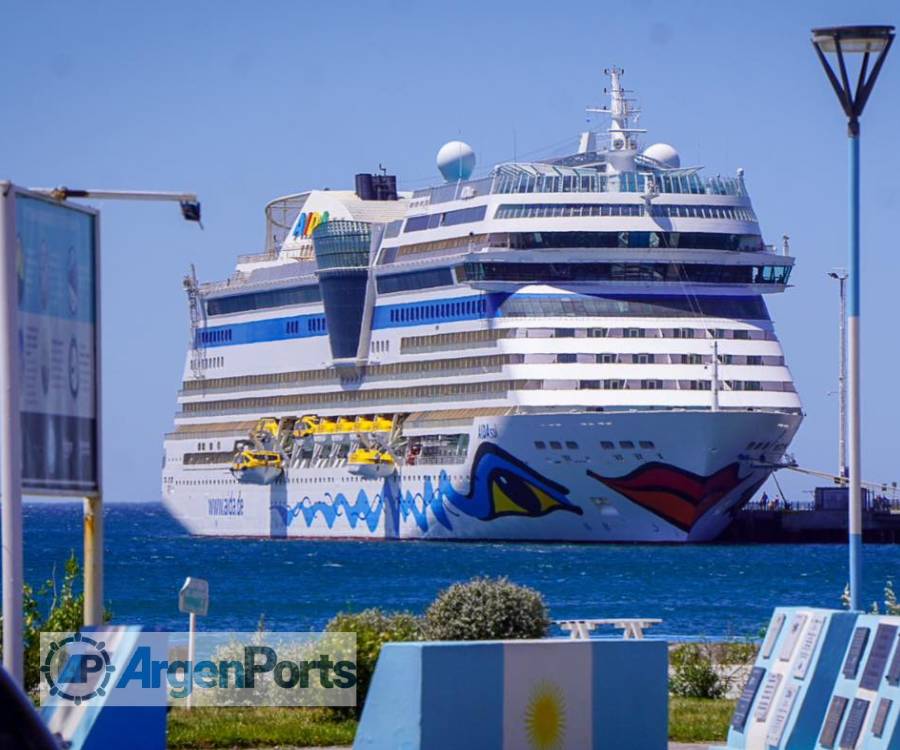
(456, 160)
(664, 154)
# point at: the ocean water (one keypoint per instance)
(711, 591)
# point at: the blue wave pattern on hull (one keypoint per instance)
(500, 485)
(369, 512)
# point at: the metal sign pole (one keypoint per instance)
(93, 560)
(10, 441)
(192, 648)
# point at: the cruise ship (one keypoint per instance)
(572, 349)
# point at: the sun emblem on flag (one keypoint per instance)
(545, 717)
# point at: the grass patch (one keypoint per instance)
(690, 720)
(699, 719)
(257, 727)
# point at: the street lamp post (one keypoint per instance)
(867, 41)
(841, 275)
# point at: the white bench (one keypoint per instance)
(632, 627)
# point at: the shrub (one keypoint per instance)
(373, 628)
(891, 606)
(486, 609)
(65, 613)
(693, 673)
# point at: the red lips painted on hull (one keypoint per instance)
(675, 495)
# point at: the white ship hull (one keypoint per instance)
(683, 489)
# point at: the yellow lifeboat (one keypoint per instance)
(268, 425)
(382, 424)
(326, 427)
(305, 426)
(344, 425)
(372, 464)
(257, 467)
(364, 424)
(265, 433)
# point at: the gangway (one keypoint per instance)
(840, 481)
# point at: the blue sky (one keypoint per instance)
(244, 102)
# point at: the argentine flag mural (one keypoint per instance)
(550, 694)
(547, 697)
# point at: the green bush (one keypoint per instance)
(373, 628)
(693, 673)
(486, 609)
(65, 613)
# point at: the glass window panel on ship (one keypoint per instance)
(674, 240)
(747, 308)
(260, 300)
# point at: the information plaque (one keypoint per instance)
(790, 641)
(772, 635)
(768, 694)
(854, 724)
(808, 646)
(885, 635)
(893, 675)
(782, 714)
(855, 652)
(833, 721)
(57, 260)
(742, 709)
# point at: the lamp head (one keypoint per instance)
(846, 40)
(853, 39)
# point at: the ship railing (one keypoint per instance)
(257, 257)
(281, 214)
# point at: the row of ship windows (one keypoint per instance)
(418, 344)
(426, 312)
(618, 384)
(390, 254)
(447, 218)
(649, 358)
(315, 324)
(257, 300)
(556, 240)
(517, 308)
(304, 480)
(624, 182)
(332, 374)
(633, 306)
(701, 273)
(556, 445)
(205, 363)
(490, 389)
(466, 366)
(497, 388)
(217, 336)
(546, 210)
(697, 273)
(551, 210)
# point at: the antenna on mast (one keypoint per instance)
(621, 134)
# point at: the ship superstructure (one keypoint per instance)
(573, 349)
